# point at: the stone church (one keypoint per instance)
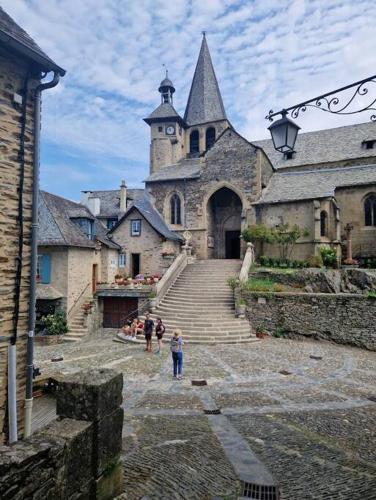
(207, 178)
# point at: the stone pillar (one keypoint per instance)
(95, 396)
(317, 230)
(349, 261)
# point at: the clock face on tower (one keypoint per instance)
(170, 130)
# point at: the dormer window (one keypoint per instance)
(289, 155)
(87, 226)
(369, 144)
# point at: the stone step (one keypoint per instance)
(199, 293)
(211, 341)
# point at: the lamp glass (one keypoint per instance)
(284, 133)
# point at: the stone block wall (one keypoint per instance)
(77, 456)
(13, 74)
(342, 318)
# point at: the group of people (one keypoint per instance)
(135, 327)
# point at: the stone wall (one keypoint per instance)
(13, 72)
(78, 455)
(342, 318)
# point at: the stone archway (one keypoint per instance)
(223, 214)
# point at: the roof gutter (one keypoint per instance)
(34, 250)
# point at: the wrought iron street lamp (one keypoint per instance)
(284, 131)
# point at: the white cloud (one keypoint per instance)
(267, 54)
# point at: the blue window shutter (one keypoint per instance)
(46, 269)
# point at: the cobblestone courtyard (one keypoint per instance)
(301, 408)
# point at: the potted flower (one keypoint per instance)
(152, 301)
(118, 278)
(87, 307)
(55, 325)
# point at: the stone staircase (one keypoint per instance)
(77, 327)
(201, 304)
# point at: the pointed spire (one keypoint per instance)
(205, 100)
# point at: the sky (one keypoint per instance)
(267, 54)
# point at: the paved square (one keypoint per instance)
(313, 429)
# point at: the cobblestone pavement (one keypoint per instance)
(299, 408)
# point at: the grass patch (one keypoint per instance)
(371, 295)
(263, 285)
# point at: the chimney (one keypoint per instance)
(123, 197)
(84, 199)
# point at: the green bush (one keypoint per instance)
(258, 232)
(55, 324)
(328, 256)
(233, 283)
(264, 261)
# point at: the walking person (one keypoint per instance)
(176, 348)
(148, 331)
(159, 331)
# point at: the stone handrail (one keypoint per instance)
(170, 276)
(248, 260)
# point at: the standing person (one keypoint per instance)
(159, 331)
(176, 348)
(148, 331)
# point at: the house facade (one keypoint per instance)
(22, 63)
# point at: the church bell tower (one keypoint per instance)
(166, 130)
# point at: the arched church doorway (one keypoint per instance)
(224, 211)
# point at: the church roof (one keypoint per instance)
(56, 226)
(110, 200)
(185, 169)
(324, 146)
(162, 112)
(149, 213)
(17, 39)
(204, 101)
(314, 184)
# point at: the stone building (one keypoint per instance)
(22, 63)
(74, 255)
(205, 177)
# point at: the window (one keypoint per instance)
(44, 268)
(210, 137)
(323, 223)
(122, 259)
(160, 129)
(194, 142)
(370, 210)
(111, 222)
(136, 227)
(175, 209)
(87, 226)
(370, 144)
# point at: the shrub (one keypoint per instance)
(55, 324)
(315, 261)
(264, 261)
(329, 257)
(233, 283)
(257, 232)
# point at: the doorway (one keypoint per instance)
(232, 242)
(116, 310)
(135, 258)
(224, 212)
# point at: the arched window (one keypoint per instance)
(194, 142)
(210, 137)
(323, 223)
(175, 209)
(370, 210)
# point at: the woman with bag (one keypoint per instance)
(176, 348)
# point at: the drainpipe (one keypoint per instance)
(34, 253)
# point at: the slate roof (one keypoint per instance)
(162, 112)
(314, 184)
(110, 201)
(185, 169)
(147, 210)
(205, 100)
(57, 228)
(16, 38)
(325, 146)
